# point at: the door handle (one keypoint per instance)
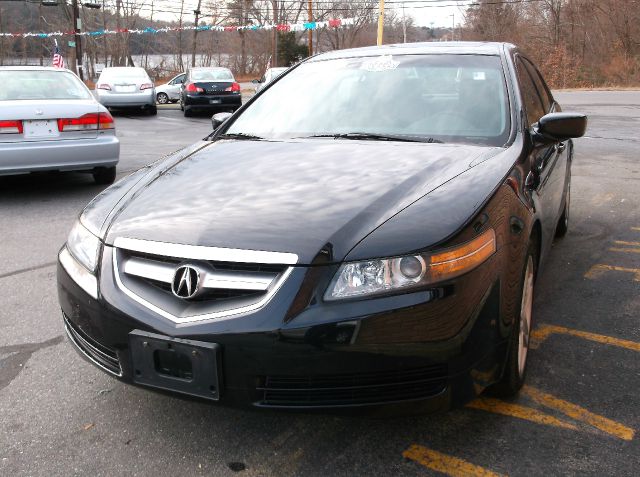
(560, 147)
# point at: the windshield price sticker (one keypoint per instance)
(381, 63)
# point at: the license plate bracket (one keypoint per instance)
(126, 88)
(215, 101)
(40, 128)
(174, 364)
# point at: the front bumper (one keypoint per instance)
(64, 155)
(400, 359)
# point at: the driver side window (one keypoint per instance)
(532, 101)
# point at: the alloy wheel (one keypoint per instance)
(162, 98)
(526, 308)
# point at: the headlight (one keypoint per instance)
(84, 246)
(374, 277)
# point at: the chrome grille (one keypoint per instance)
(224, 287)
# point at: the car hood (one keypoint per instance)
(298, 196)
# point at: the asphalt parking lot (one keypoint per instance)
(578, 414)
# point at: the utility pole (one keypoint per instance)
(40, 18)
(310, 30)
(195, 35)
(381, 22)
(453, 27)
(77, 25)
(404, 25)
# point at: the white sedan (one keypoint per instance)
(170, 92)
(50, 121)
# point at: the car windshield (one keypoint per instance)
(448, 98)
(211, 75)
(35, 84)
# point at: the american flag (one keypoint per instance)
(58, 60)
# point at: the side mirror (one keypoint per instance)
(255, 81)
(556, 127)
(218, 119)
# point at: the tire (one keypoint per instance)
(515, 369)
(104, 175)
(187, 112)
(153, 110)
(162, 98)
(181, 106)
(563, 222)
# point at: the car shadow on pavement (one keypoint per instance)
(48, 185)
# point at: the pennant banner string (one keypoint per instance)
(285, 27)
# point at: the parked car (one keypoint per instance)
(267, 77)
(368, 231)
(170, 92)
(50, 121)
(212, 89)
(126, 87)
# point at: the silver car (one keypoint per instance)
(170, 92)
(268, 77)
(126, 87)
(50, 121)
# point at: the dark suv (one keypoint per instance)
(211, 89)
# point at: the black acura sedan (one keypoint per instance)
(209, 89)
(366, 232)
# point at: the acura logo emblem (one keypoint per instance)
(39, 112)
(185, 282)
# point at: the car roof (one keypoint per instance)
(209, 68)
(33, 68)
(423, 48)
(121, 68)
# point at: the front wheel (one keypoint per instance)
(563, 223)
(104, 175)
(162, 98)
(516, 366)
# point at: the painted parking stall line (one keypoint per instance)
(621, 246)
(519, 411)
(596, 271)
(446, 464)
(579, 413)
(543, 332)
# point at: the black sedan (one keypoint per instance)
(365, 233)
(210, 89)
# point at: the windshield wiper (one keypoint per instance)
(378, 137)
(240, 136)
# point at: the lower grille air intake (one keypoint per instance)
(352, 389)
(102, 356)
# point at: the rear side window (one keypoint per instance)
(47, 84)
(532, 101)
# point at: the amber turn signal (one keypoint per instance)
(463, 258)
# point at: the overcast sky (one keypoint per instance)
(437, 12)
(425, 12)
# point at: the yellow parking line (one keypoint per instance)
(630, 244)
(625, 250)
(446, 464)
(635, 228)
(580, 414)
(521, 412)
(543, 331)
(600, 268)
